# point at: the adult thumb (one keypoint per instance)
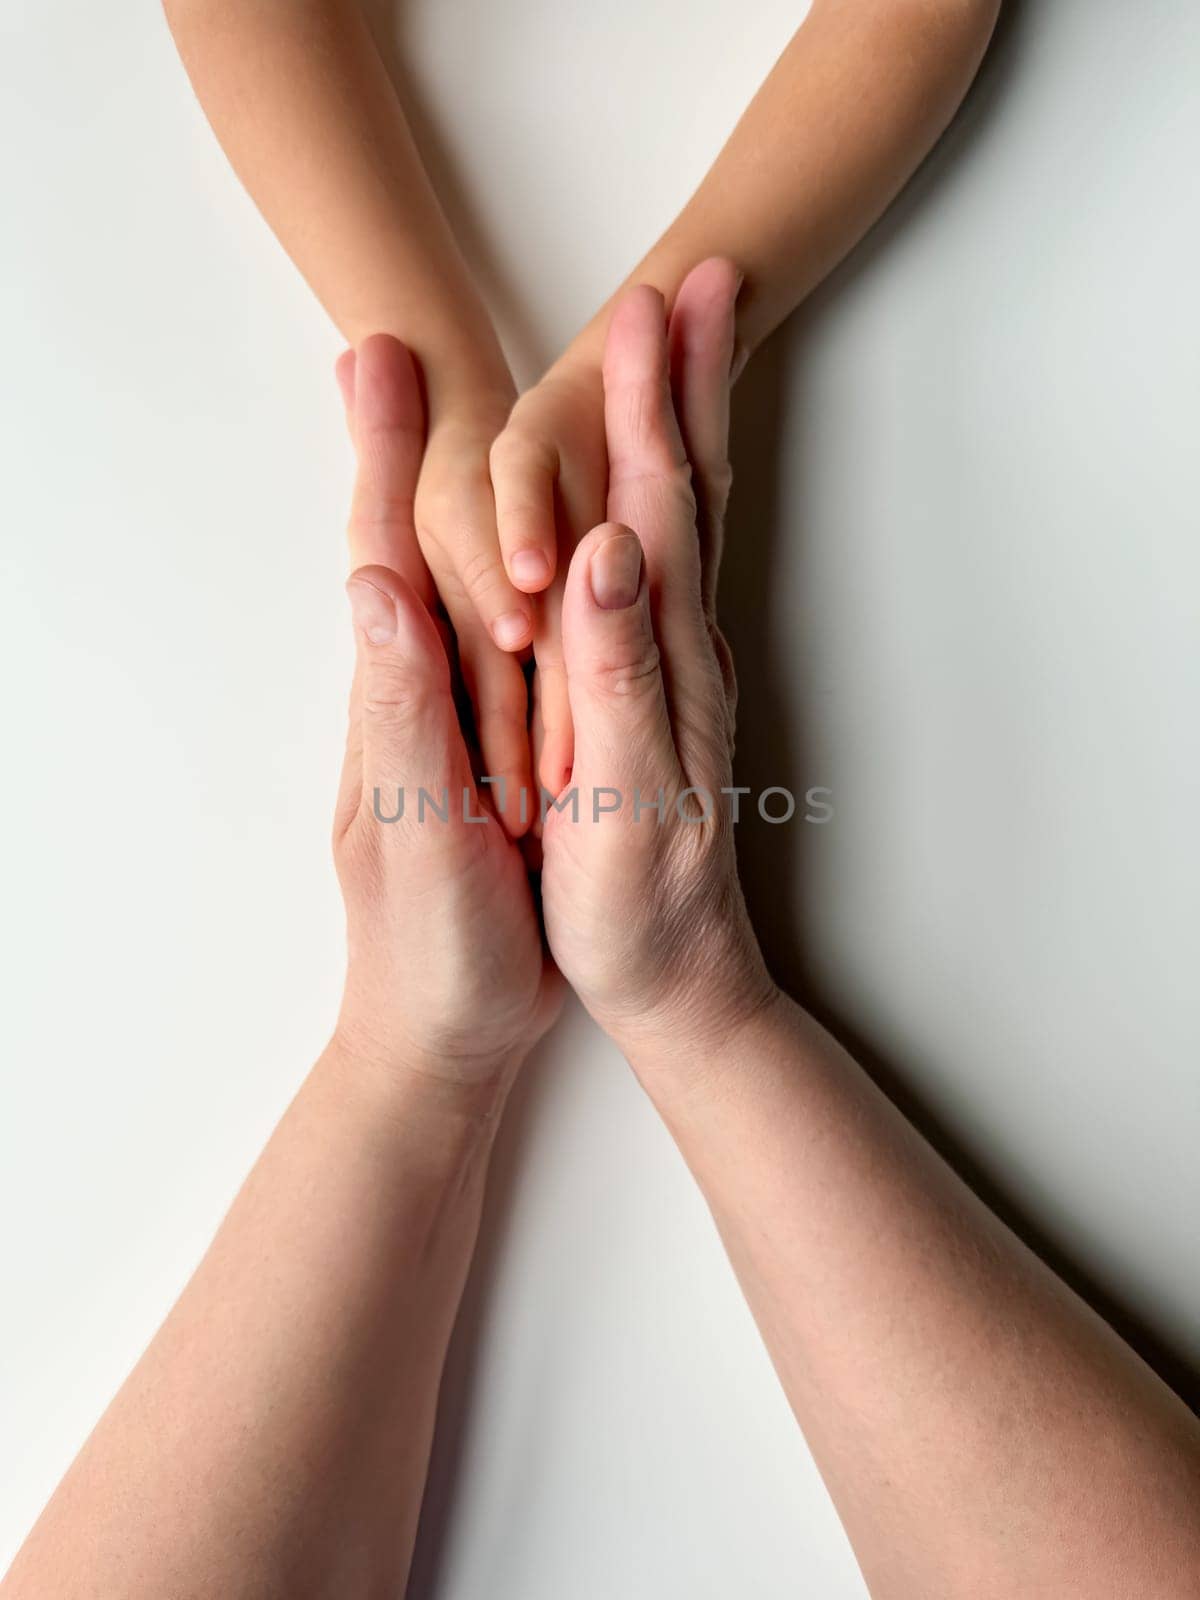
(623, 738)
(408, 731)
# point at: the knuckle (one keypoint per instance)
(630, 675)
(376, 505)
(671, 493)
(433, 509)
(463, 624)
(644, 409)
(516, 447)
(505, 451)
(541, 403)
(480, 571)
(443, 502)
(679, 487)
(522, 510)
(392, 694)
(656, 499)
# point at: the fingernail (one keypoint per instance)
(511, 630)
(737, 366)
(615, 572)
(372, 610)
(529, 566)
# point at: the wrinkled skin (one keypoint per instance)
(645, 917)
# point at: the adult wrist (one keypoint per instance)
(677, 1067)
(406, 1080)
(699, 1026)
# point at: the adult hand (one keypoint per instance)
(443, 534)
(549, 469)
(447, 971)
(643, 909)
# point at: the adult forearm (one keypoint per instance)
(304, 109)
(274, 1438)
(849, 111)
(981, 1430)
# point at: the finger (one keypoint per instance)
(650, 490)
(409, 735)
(523, 472)
(642, 431)
(537, 741)
(579, 506)
(701, 342)
(623, 735)
(462, 526)
(649, 480)
(343, 371)
(552, 738)
(389, 438)
(495, 684)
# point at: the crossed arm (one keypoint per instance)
(981, 1432)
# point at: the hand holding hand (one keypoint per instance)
(643, 909)
(447, 973)
(443, 533)
(549, 469)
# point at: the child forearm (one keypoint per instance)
(851, 108)
(303, 106)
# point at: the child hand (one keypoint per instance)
(549, 470)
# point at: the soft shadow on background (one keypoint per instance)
(772, 746)
(774, 749)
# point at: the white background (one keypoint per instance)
(963, 583)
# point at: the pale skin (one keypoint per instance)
(240, 1459)
(981, 1431)
(300, 100)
